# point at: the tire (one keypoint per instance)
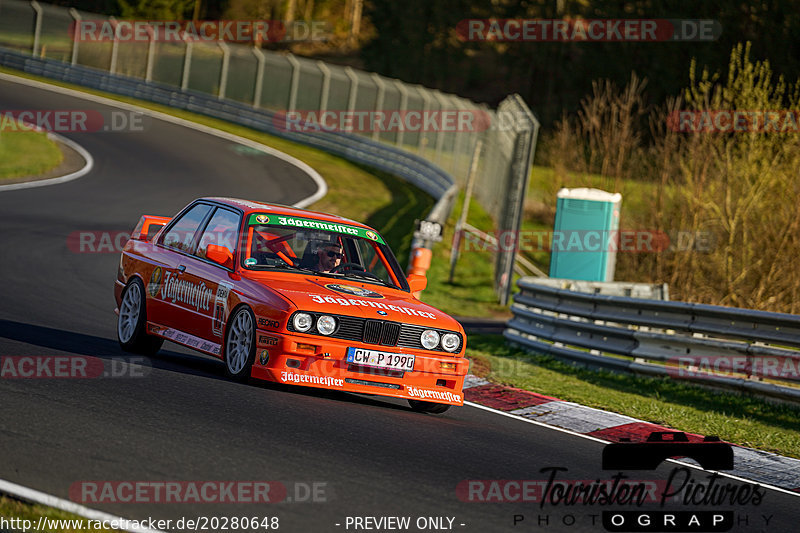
(132, 321)
(240, 344)
(428, 407)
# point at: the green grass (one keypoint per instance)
(11, 508)
(26, 153)
(472, 292)
(735, 418)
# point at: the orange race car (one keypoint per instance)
(291, 296)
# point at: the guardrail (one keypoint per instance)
(727, 347)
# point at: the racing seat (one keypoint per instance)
(309, 259)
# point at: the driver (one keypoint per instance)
(329, 256)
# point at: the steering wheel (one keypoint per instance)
(348, 266)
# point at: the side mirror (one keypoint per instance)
(417, 283)
(220, 255)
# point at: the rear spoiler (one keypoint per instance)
(148, 226)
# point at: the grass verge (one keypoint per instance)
(471, 294)
(25, 153)
(22, 511)
(735, 418)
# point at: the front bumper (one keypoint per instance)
(314, 361)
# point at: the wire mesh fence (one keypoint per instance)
(308, 95)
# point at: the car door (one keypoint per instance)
(172, 294)
(221, 230)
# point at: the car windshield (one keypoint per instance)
(273, 242)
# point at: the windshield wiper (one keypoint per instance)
(366, 275)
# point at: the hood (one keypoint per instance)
(353, 298)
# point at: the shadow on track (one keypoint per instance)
(193, 364)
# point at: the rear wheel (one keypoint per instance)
(240, 344)
(132, 322)
(428, 407)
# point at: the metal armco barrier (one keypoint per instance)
(740, 349)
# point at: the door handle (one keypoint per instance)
(181, 269)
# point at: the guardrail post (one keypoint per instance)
(187, 63)
(37, 27)
(326, 87)
(76, 17)
(223, 75)
(378, 101)
(401, 88)
(295, 82)
(259, 85)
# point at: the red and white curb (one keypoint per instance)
(755, 465)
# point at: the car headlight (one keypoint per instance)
(302, 321)
(326, 324)
(450, 342)
(429, 339)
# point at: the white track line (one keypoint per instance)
(51, 501)
(322, 187)
(595, 439)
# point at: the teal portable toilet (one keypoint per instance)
(585, 236)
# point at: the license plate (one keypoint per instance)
(374, 358)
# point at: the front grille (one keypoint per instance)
(378, 332)
(372, 383)
(372, 331)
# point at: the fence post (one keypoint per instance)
(259, 85)
(326, 87)
(151, 53)
(440, 134)
(295, 81)
(223, 75)
(37, 27)
(378, 101)
(455, 249)
(423, 140)
(401, 88)
(112, 67)
(352, 94)
(187, 63)
(76, 17)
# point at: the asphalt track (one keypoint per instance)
(181, 420)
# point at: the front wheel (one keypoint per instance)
(240, 344)
(428, 407)
(132, 322)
